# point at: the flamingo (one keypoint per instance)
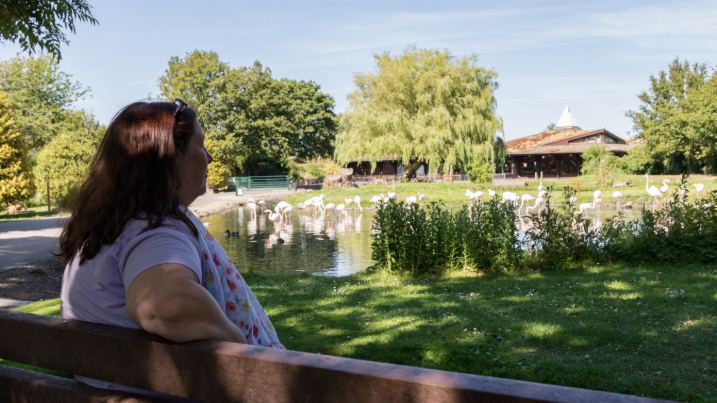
(411, 200)
(664, 188)
(698, 187)
(305, 204)
(574, 200)
(618, 198)
(597, 199)
(421, 197)
(585, 206)
(523, 199)
(652, 191)
(541, 187)
(376, 200)
(287, 212)
(341, 208)
(330, 207)
(392, 195)
(274, 217)
(261, 203)
(386, 199)
(539, 202)
(252, 209)
(357, 200)
(478, 196)
(349, 202)
(683, 192)
(491, 193)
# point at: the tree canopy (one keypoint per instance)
(250, 116)
(39, 23)
(64, 161)
(676, 120)
(421, 106)
(16, 180)
(41, 96)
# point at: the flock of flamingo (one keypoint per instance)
(283, 210)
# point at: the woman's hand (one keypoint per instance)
(169, 301)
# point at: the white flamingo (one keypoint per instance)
(652, 191)
(274, 217)
(683, 193)
(574, 200)
(698, 187)
(261, 204)
(539, 203)
(341, 209)
(287, 212)
(392, 195)
(308, 203)
(252, 209)
(411, 200)
(585, 207)
(491, 193)
(525, 198)
(541, 187)
(357, 200)
(618, 199)
(330, 207)
(349, 202)
(376, 200)
(664, 188)
(421, 197)
(597, 199)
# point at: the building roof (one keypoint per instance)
(573, 149)
(556, 142)
(567, 121)
(548, 136)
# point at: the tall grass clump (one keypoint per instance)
(679, 232)
(415, 241)
(560, 237)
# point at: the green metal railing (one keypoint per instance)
(262, 182)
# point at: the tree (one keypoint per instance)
(312, 114)
(598, 161)
(40, 95)
(551, 126)
(16, 180)
(423, 106)
(39, 23)
(674, 120)
(64, 162)
(200, 80)
(217, 172)
(255, 117)
(500, 150)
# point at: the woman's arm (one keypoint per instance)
(168, 300)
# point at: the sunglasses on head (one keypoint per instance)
(181, 106)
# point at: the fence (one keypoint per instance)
(262, 182)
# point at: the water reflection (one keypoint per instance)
(321, 242)
(318, 243)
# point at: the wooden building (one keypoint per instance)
(557, 152)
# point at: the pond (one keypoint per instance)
(321, 245)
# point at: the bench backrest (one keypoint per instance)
(214, 371)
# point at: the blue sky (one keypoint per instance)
(595, 57)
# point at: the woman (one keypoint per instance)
(136, 256)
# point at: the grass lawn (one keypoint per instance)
(642, 331)
(454, 193)
(33, 212)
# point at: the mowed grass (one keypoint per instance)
(32, 212)
(454, 193)
(641, 331)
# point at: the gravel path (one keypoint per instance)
(33, 282)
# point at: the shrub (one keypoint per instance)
(480, 172)
(598, 161)
(411, 240)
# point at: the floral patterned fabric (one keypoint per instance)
(230, 291)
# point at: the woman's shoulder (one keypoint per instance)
(140, 226)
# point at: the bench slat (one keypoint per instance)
(20, 386)
(215, 371)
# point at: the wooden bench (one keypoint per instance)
(214, 371)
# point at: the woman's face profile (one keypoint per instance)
(193, 167)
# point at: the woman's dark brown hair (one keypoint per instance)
(135, 174)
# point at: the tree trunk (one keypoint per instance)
(411, 169)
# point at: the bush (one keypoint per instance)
(314, 168)
(598, 161)
(639, 161)
(480, 172)
(415, 241)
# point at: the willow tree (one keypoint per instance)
(423, 106)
